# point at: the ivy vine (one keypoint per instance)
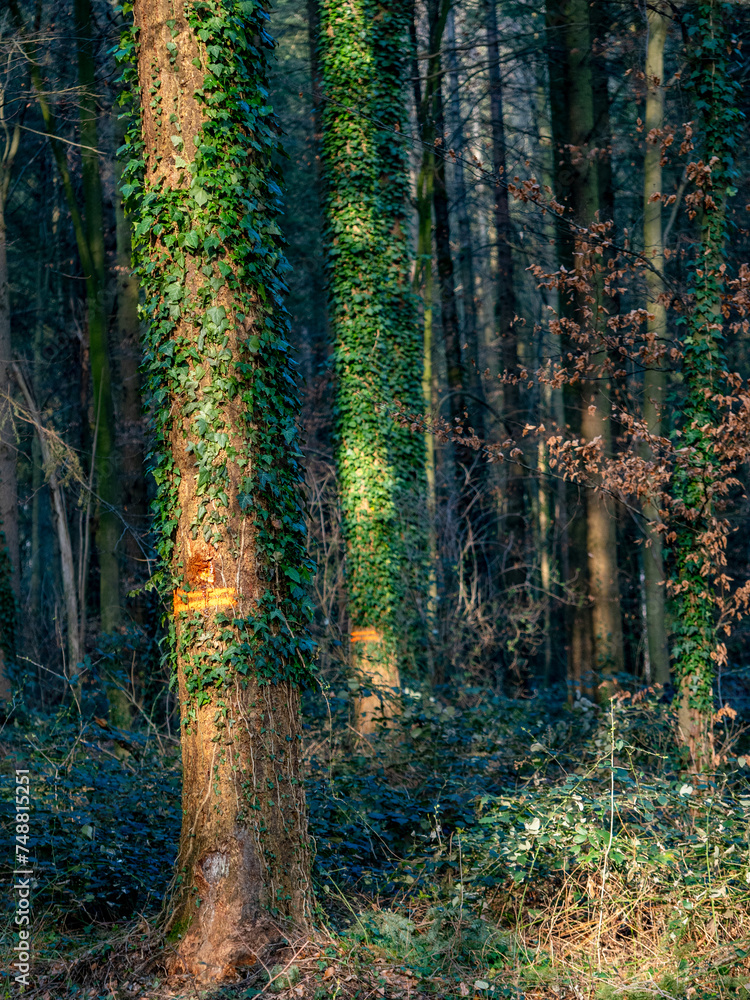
(377, 339)
(715, 93)
(240, 397)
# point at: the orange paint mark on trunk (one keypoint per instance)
(202, 600)
(365, 635)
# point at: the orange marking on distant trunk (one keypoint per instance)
(201, 600)
(365, 635)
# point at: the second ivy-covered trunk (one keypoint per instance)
(710, 50)
(231, 531)
(376, 336)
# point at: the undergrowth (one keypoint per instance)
(480, 846)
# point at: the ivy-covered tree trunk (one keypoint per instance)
(204, 185)
(655, 378)
(376, 337)
(715, 96)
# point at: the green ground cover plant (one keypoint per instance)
(475, 848)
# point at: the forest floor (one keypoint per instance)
(480, 848)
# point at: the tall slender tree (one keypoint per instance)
(505, 298)
(10, 136)
(457, 147)
(710, 49)
(465, 403)
(596, 640)
(376, 339)
(464, 394)
(128, 404)
(424, 287)
(204, 182)
(654, 382)
(109, 526)
(574, 563)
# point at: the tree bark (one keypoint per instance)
(130, 423)
(8, 447)
(578, 174)
(655, 379)
(424, 287)
(457, 144)
(231, 530)
(465, 403)
(505, 299)
(9, 588)
(553, 520)
(109, 526)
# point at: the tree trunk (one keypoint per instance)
(600, 16)
(553, 521)
(8, 447)
(9, 584)
(593, 557)
(230, 526)
(130, 429)
(716, 96)
(62, 528)
(574, 563)
(109, 526)
(378, 347)
(457, 143)
(465, 403)
(655, 379)
(457, 375)
(424, 286)
(505, 299)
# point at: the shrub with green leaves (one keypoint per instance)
(103, 831)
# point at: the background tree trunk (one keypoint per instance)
(9, 586)
(109, 526)
(130, 430)
(655, 377)
(505, 299)
(575, 134)
(457, 144)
